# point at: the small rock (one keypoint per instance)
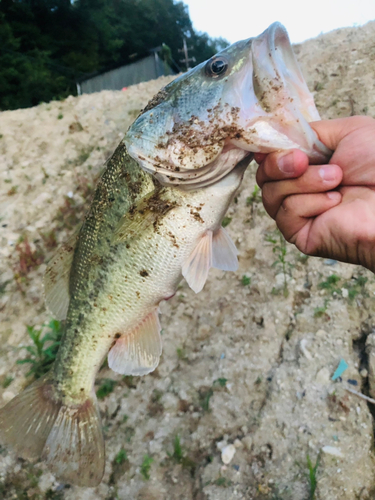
(364, 373)
(8, 395)
(323, 375)
(321, 333)
(247, 441)
(204, 331)
(227, 454)
(332, 450)
(237, 443)
(345, 292)
(304, 350)
(221, 444)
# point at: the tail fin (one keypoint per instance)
(69, 438)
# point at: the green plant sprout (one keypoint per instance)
(313, 483)
(146, 467)
(280, 250)
(106, 387)
(43, 352)
(255, 197)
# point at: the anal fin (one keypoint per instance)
(137, 352)
(224, 251)
(196, 266)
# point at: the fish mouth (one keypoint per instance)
(283, 95)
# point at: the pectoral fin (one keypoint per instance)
(224, 251)
(196, 266)
(56, 279)
(138, 352)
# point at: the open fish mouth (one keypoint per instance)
(250, 97)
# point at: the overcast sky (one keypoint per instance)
(238, 19)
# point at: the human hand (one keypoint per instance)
(326, 210)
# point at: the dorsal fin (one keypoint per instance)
(138, 352)
(56, 279)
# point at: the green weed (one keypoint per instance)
(146, 467)
(43, 352)
(223, 482)
(179, 456)
(330, 284)
(220, 382)
(84, 154)
(279, 248)
(121, 457)
(255, 197)
(106, 387)
(320, 311)
(7, 381)
(181, 354)
(206, 394)
(245, 280)
(3, 286)
(313, 483)
(226, 221)
(60, 116)
(356, 286)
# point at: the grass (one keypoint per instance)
(121, 457)
(223, 482)
(179, 455)
(226, 221)
(320, 311)
(146, 467)
(279, 248)
(42, 353)
(355, 286)
(330, 284)
(255, 197)
(206, 395)
(313, 482)
(245, 280)
(106, 387)
(7, 381)
(3, 286)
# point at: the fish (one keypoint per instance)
(155, 217)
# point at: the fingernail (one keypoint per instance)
(328, 173)
(334, 196)
(286, 163)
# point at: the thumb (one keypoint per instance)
(332, 132)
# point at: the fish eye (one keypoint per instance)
(216, 67)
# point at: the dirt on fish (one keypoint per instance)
(247, 364)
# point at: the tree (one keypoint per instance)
(45, 45)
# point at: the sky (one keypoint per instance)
(239, 19)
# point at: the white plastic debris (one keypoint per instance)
(332, 450)
(227, 454)
(304, 350)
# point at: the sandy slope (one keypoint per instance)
(277, 354)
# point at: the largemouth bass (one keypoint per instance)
(144, 232)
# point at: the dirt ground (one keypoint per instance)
(247, 364)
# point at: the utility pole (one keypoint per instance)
(187, 59)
